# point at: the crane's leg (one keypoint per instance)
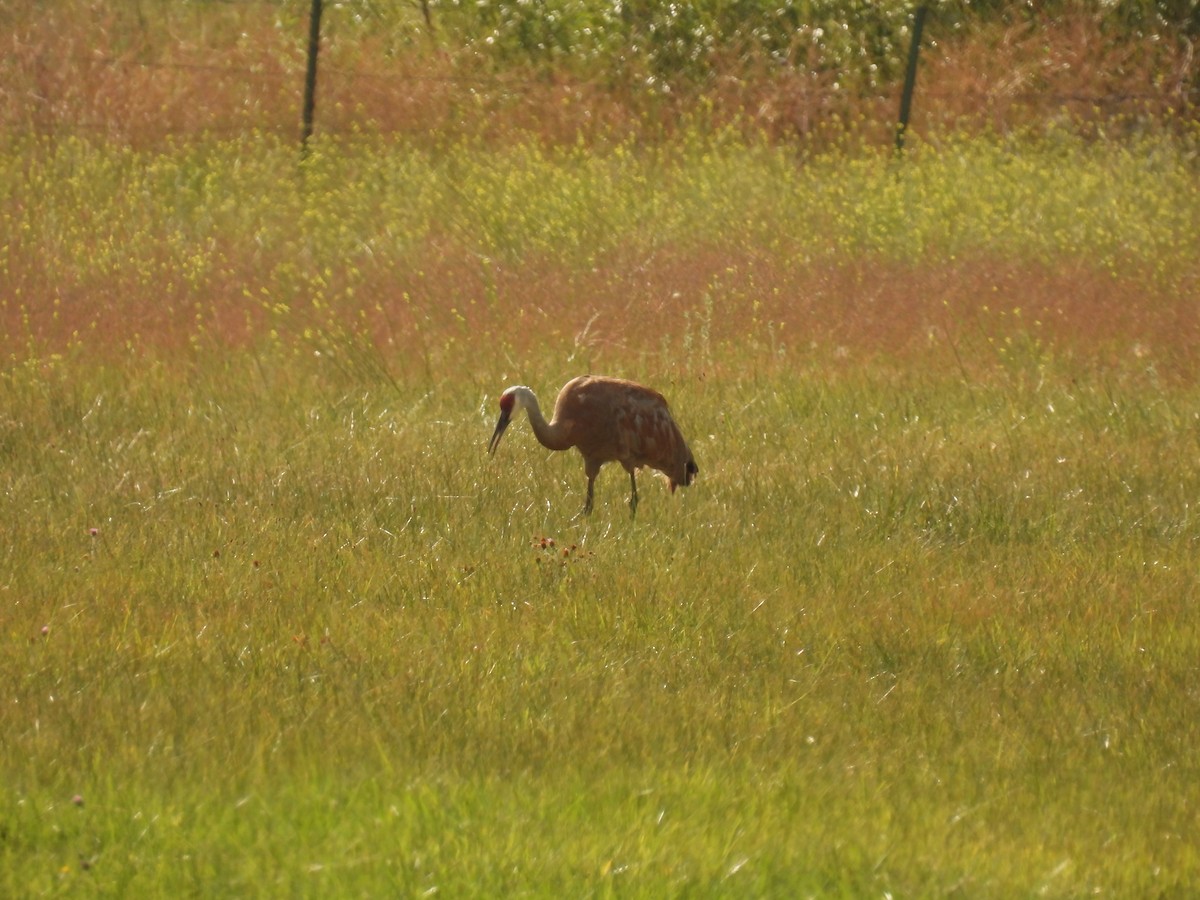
(591, 470)
(587, 504)
(633, 492)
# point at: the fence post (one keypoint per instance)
(910, 76)
(310, 76)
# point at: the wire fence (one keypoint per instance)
(283, 92)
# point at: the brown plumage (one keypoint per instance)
(606, 420)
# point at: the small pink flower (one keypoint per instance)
(93, 531)
(45, 630)
(77, 799)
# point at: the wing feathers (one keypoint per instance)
(611, 419)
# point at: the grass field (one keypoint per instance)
(925, 624)
(273, 624)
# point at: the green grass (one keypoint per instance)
(320, 647)
(923, 626)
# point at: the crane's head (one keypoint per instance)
(510, 401)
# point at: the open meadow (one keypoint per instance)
(272, 623)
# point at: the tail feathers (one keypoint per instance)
(691, 470)
(687, 476)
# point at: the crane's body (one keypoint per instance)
(606, 420)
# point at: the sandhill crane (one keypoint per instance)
(606, 419)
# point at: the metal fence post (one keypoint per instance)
(910, 76)
(310, 76)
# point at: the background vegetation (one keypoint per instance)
(272, 623)
(572, 70)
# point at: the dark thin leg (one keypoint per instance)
(587, 504)
(633, 493)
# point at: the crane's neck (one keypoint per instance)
(550, 435)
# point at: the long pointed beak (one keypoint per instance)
(500, 426)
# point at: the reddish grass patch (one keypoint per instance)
(702, 306)
(870, 307)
